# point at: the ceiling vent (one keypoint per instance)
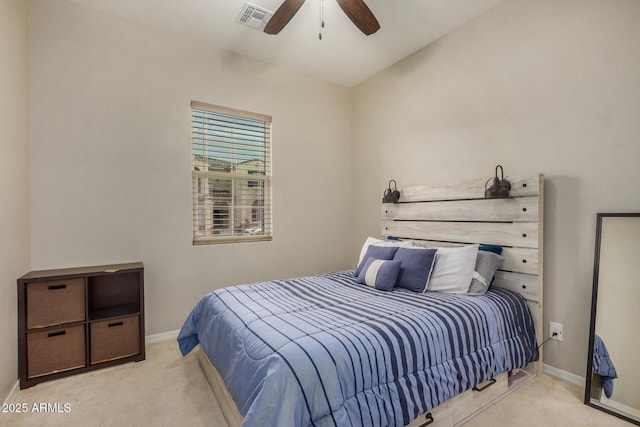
(254, 16)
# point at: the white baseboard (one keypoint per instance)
(164, 336)
(626, 410)
(13, 389)
(563, 375)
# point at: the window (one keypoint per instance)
(257, 212)
(231, 175)
(253, 183)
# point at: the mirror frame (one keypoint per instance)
(592, 327)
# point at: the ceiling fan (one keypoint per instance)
(356, 10)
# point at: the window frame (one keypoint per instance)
(247, 185)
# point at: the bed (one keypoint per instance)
(326, 350)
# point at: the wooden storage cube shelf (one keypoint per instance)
(114, 339)
(56, 350)
(113, 295)
(74, 320)
(55, 302)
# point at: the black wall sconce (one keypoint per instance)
(499, 188)
(391, 196)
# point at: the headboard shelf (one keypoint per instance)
(458, 214)
(521, 185)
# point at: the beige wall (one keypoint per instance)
(14, 177)
(111, 166)
(550, 86)
(540, 86)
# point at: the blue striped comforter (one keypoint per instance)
(327, 351)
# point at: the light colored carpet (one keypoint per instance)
(168, 390)
(163, 390)
(546, 401)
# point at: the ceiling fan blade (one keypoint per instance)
(360, 15)
(282, 16)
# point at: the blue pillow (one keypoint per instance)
(491, 248)
(379, 274)
(377, 252)
(416, 268)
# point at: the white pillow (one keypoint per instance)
(454, 269)
(379, 242)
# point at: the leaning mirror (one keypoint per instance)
(613, 375)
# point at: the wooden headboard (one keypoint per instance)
(457, 214)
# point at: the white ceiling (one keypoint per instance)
(344, 55)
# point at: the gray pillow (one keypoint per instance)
(486, 265)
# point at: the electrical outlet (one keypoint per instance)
(557, 328)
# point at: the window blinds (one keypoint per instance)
(231, 171)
